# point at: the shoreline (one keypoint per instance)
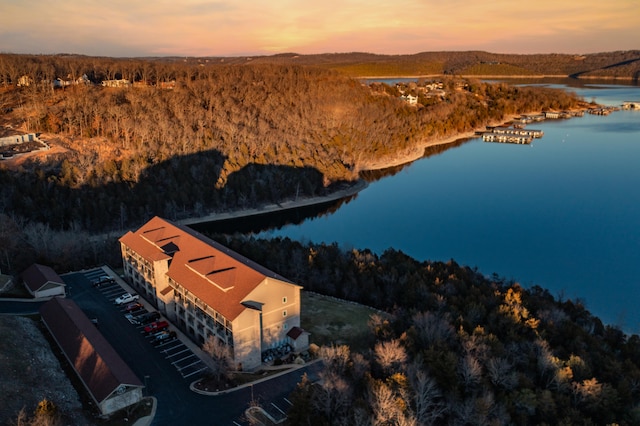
(409, 156)
(351, 190)
(417, 152)
(500, 76)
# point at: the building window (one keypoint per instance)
(285, 326)
(284, 313)
(284, 299)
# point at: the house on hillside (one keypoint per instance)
(42, 281)
(24, 81)
(116, 83)
(108, 379)
(410, 99)
(208, 290)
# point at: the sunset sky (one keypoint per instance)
(251, 27)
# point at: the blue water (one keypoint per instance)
(562, 213)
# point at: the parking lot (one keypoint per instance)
(174, 351)
(168, 366)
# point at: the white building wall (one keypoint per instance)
(118, 402)
(280, 310)
(247, 353)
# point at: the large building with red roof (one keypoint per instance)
(209, 290)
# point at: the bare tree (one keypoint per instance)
(383, 402)
(391, 356)
(222, 360)
(470, 371)
(378, 324)
(501, 373)
(432, 328)
(586, 391)
(333, 397)
(335, 358)
(427, 398)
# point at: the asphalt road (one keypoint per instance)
(177, 404)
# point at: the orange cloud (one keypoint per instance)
(225, 27)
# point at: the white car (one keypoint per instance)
(126, 298)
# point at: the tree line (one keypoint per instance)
(457, 348)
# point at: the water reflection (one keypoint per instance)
(270, 221)
(430, 151)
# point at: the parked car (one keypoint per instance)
(147, 318)
(156, 326)
(126, 298)
(104, 279)
(133, 306)
(131, 319)
(164, 336)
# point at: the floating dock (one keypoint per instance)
(517, 132)
(517, 135)
(506, 138)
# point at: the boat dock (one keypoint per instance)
(518, 132)
(506, 138)
(517, 135)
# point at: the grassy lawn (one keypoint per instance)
(336, 321)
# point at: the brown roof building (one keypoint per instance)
(110, 382)
(210, 290)
(42, 281)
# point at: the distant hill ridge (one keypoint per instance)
(619, 64)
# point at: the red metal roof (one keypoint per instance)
(99, 366)
(37, 276)
(295, 332)
(218, 276)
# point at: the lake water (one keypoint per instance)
(562, 213)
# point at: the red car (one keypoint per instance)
(133, 306)
(156, 326)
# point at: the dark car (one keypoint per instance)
(103, 280)
(163, 336)
(148, 317)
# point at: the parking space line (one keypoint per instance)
(177, 346)
(182, 359)
(288, 402)
(194, 372)
(187, 366)
(178, 353)
(277, 408)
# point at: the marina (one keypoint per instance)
(506, 138)
(515, 135)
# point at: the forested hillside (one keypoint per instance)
(620, 64)
(180, 139)
(459, 348)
